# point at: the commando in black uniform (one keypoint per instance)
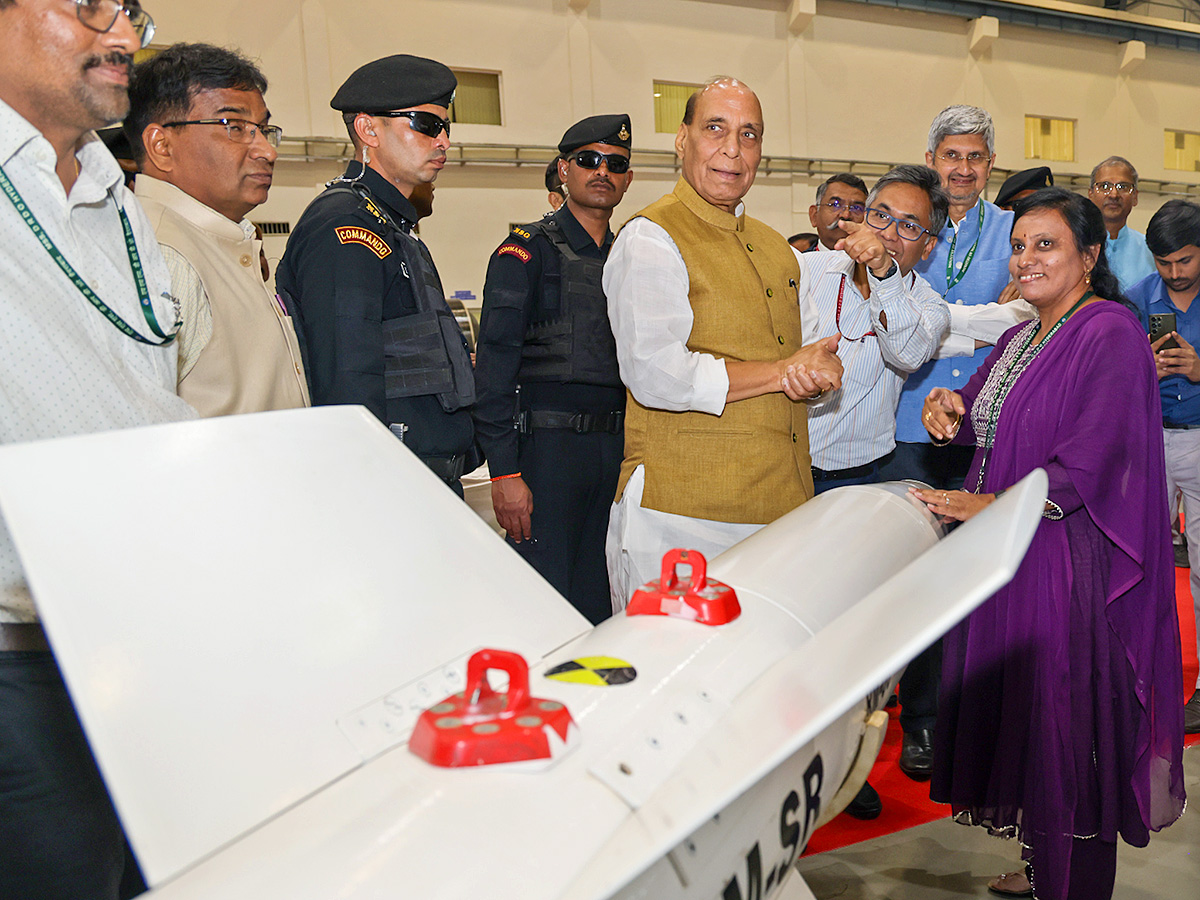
(366, 295)
(551, 403)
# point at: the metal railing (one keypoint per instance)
(335, 150)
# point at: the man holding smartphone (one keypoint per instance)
(1174, 238)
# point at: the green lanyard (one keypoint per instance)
(135, 262)
(951, 278)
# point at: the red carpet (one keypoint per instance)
(906, 802)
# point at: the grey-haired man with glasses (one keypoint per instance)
(199, 127)
(1114, 190)
(840, 198)
(87, 344)
(969, 267)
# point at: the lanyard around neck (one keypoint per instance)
(951, 278)
(837, 315)
(135, 263)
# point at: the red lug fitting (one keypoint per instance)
(701, 599)
(481, 727)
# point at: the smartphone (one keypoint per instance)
(1162, 324)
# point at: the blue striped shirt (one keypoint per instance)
(857, 423)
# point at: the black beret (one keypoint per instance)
(597, 130)
(1029, 179)
(395, 82)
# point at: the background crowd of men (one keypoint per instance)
(682, 384)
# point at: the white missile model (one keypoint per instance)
(254, 613)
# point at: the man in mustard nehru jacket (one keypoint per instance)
(709, 309)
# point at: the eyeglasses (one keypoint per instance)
(101, 16)
(907, 229)
(974, 158)
(855, 209)
(591, 159)
(420, 121)
(1107, 187)
(240, 131)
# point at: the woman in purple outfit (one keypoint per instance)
(1060, 718)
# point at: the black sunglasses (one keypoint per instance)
(422, 122)
(591, 159)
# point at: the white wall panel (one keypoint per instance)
(860, 82)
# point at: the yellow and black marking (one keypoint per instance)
(598, 671)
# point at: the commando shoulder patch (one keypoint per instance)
(354, 234)
(513, 250)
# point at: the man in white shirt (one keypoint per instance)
(82, 352)
(889, 326)
(198, 125)
(707, 307)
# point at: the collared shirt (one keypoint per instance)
(64, 368)
(1129, 257)
(1180, 397)
(857, 424)
(646, 283)
(974, 313)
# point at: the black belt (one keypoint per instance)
(447, 468)
(579, 422)
(1178, 426)
(21, 637)
(852, 472)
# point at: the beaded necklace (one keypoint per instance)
(985, 414)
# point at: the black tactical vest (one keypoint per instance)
(423, 352)
(570, 339)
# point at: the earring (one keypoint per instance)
(1087, 277)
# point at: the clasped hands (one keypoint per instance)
(812, 370)
(815, 369)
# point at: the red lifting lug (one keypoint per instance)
(700, 599)
(481, 727)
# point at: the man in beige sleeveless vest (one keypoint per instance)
(198, 124)
(709, 308)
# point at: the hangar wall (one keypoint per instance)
(858, 82)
